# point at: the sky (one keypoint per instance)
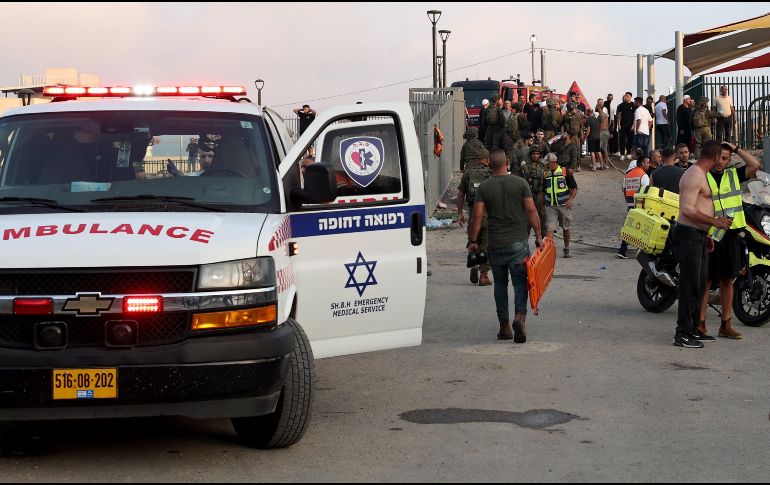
(307, 51)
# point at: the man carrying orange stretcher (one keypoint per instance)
(509, 205)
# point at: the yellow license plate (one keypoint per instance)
(85, 383)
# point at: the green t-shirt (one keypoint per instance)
(503, 197)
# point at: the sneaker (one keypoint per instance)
(474, 275)
(702, 337)
(621, 255)
(687, 341)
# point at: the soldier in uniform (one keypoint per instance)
(568, 153)
(542, 141)
(701, 121)
(551, 119)
(512, 133)
(469, 153)
(573, 126)
(534, 173)
(466, 192)
(520, 154)
(494, 124)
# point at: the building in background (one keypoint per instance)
(31, 85)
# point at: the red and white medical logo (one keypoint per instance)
(362, 158)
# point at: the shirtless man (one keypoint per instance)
(691, 243)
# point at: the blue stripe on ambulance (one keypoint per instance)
(354, 220)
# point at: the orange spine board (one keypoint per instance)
(540, 268)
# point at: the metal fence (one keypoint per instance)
(751, 98)
(445, 109)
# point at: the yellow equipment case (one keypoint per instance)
(645, 230)
(658, 201)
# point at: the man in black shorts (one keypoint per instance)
(725, 261)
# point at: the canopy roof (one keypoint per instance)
(709, 48)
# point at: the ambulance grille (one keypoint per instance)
(107, 282)
(160, 329)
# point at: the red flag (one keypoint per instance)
(579, 92)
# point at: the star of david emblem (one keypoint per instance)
(352, 267)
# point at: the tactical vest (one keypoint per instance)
(476, 175)
(533, 173)
(632, 182)
(512, 126)
(556, 190)
(550, 119)
(575, 124)
(700, 119)
(492, 115)
(727, 201)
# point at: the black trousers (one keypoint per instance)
(724, 128)
(662, 136)
(626, 140)
(689, 247)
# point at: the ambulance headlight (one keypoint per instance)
(244, 273)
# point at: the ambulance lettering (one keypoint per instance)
(174, 232)
(360, 276)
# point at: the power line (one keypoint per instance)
(450, 70)
(399, 83)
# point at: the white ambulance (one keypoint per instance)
(169, 250)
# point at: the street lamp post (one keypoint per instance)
(439, 63)
(433, 16)
(532, 39)
(444, 36)
(259, 84)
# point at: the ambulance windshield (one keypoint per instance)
(92, 160)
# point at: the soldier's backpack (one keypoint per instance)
(492, 115)
(699, 118)
(476, 175)
(512, 126)
(575, 123)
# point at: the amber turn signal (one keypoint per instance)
(235, 318)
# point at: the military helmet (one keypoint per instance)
(471, 133)
(494, 98)
(482, 154)
(570, 106)
(550, 102)
(535, 148)
(702, 100)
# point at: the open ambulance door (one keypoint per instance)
(360, 264)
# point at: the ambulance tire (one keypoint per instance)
(288, 423)
(653, 295)
(756, 295)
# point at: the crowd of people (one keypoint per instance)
(518, 177)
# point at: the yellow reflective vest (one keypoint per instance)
(727, 201)
(556, 190)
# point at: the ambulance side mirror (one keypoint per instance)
(320, 185)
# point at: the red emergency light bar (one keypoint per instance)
(142, 304)
(139, 91)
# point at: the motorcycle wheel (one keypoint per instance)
(751, 303)
(653, 295)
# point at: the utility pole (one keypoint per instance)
(433, 16)
(532, 39)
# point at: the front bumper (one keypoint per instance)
(206, 377)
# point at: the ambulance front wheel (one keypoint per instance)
(288, 423)
(653, 295)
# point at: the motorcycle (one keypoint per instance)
(657, 284)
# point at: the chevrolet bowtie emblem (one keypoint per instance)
(92, 304)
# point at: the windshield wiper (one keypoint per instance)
(41, 202)
(185, 201)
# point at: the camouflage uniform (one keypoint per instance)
(534, 174)
(569, 155)
(701, 120)
(493, 136)
(512, 133)
(552, 120)
(472, 178)
(519, 155)
(469, 153)
(573, 123)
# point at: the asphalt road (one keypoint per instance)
(598, 393)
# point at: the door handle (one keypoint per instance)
(416, 226)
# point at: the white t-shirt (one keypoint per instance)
(659, 109)
(641, 113)
(723, 105)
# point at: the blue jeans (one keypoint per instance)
(504, 260)
(643, 142)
